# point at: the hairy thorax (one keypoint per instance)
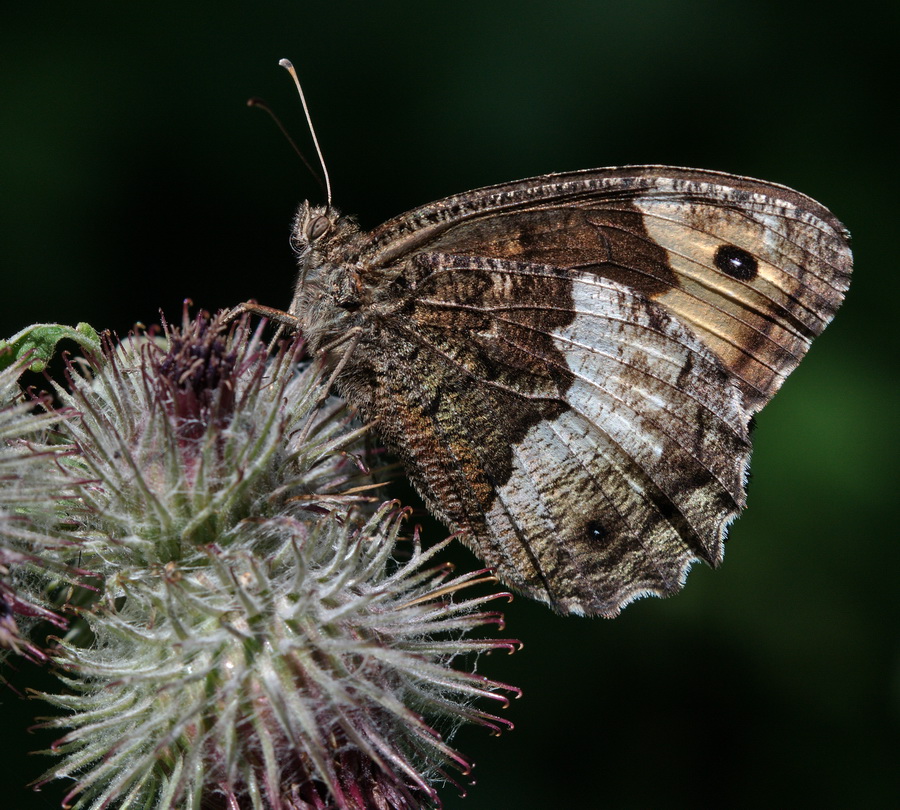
(339, 302)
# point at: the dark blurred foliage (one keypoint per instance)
(132, 176)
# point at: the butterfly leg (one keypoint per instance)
(277, 315)
(352, 337)
(284, 319)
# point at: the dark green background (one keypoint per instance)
(132, 176)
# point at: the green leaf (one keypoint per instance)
(36, 344)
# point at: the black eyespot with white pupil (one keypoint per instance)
(317, 227)
(595, 531)
(736, 262)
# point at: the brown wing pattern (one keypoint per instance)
(573, 368)
(603, 448)
(755, 269)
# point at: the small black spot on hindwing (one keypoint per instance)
(595, 531)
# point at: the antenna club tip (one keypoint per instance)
(286, 63)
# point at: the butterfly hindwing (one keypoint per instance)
(578, 456)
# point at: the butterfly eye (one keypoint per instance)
(317, 227)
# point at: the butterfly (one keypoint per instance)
(567, 366)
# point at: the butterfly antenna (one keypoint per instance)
(258, 102)
(286, 64)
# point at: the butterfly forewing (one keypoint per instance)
(567, 365)
(757, 269)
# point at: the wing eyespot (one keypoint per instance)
(595, 531)
(736, 262)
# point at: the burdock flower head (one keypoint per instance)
(32, 485)
(258, 641)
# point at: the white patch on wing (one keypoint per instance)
(628, 360)
(640, 448)
(649, 385)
